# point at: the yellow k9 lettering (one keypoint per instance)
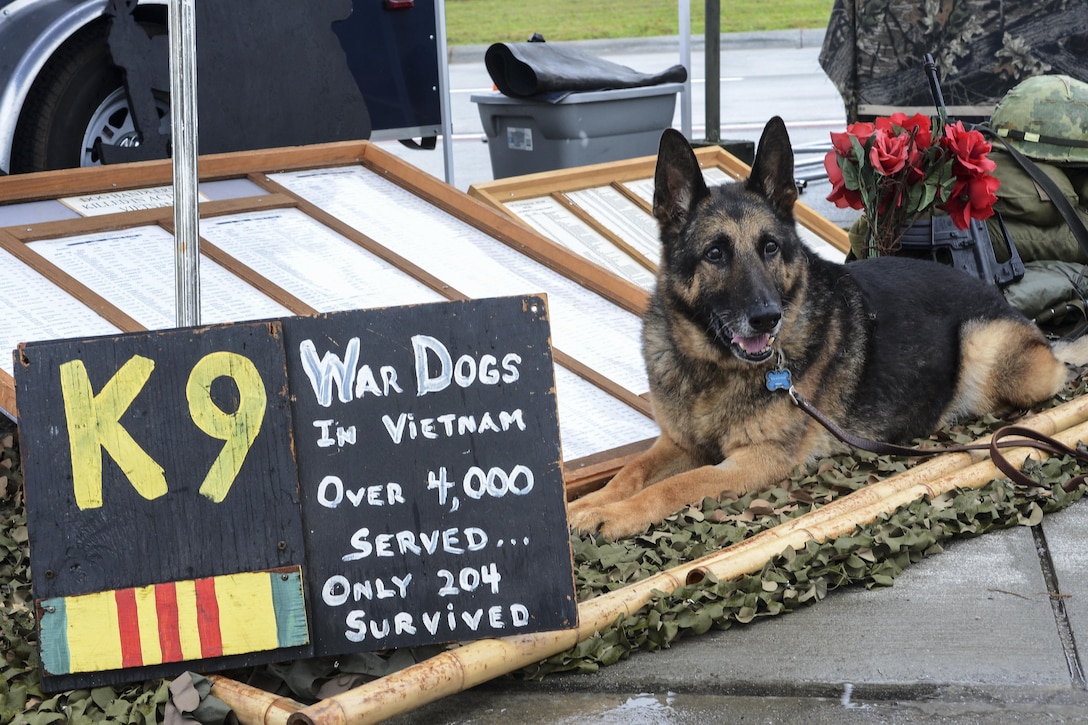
(94, 424)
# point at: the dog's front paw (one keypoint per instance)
(612, 521)
(583, 518)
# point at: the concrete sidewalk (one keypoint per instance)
(985, 632)
(971, 635)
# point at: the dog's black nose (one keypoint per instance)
(764, 318)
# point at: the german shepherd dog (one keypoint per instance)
(888, 348)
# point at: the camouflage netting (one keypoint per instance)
(873, 555)
(873, 50)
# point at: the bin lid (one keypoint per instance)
(574, 97)
(535, 68)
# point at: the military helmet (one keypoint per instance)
(1046, 118)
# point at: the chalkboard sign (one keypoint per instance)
(429, 465)
(162, 501)
(241, 493)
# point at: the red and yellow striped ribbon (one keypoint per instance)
(173, 622)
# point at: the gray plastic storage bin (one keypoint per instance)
(525, 136)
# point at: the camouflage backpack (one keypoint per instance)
(1043, 168)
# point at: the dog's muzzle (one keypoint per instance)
(753, 339)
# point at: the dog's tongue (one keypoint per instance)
(753, 344)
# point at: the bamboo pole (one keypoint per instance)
(477, 662)
(252, 705)
(750, 555)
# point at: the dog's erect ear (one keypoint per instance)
(678, 181)
(772, 172)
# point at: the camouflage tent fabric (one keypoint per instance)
(873, 49)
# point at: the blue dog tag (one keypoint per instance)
(778, 380)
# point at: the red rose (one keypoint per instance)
(861, 131)
(840, 195)
(918, 125)
(972, 197)
(842, 141)
(918, 128)
(889, 153)
(969, 148)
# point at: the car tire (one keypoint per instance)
(77, 100)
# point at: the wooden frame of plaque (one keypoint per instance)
(89, 252)
(604, 212)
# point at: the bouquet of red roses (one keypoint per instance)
(896, 169)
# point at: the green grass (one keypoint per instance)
(481, 22)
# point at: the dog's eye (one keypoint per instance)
(714, 254)
(770, 248)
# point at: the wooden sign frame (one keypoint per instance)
(35, 223)
(604, 212)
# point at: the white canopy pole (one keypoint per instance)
(444, 88)
(183, 125)
(685, 60)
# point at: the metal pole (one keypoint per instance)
(183, 125)
(685, 60)
(713, 71)
(444, 89)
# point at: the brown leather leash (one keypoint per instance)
(1009, 436)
